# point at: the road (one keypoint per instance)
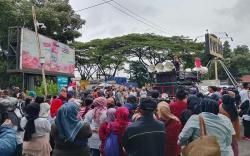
(244, 146)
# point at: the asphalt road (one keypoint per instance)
(244, 146)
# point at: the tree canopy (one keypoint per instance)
(106, 56)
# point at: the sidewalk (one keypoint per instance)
(244, 146)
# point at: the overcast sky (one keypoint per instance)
(176, 17)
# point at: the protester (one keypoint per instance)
(110, 103)
(228, 108)
(246, 124)
(192, 108)
(104, 128)
(63, 95)
(146, 136)
(131, 105)
(180, 104)
(119, 125)
(70, 134)
(143, 93)
(216, 125)
(36, 134)
(244, 95)
(86, 106)
(8, 138)
(55, 105)
(95, 118)
(172, 129)
(44, 110)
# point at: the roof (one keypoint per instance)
(245, 78)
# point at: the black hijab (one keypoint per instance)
(229, 106)
(32, 113)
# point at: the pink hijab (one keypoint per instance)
(100, 104)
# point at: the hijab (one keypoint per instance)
(67, 122)
(110, 115)
(229, 106)
(164, 113)
(32, 113)
(121, 121)
(55, 105)
(44, 110)
(100, 104)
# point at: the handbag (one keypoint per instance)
(204, 145)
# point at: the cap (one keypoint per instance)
(148, 104)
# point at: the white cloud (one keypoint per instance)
(178, 17)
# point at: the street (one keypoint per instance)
(244, 145)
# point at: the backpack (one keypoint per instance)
(111, 145)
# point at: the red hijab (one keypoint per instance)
(121, 122)
(55, 105)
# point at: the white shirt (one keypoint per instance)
(42, 125)
(244, 95)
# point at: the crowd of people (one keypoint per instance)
(120, 121)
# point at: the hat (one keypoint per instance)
(148, 104)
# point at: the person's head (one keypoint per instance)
(5, 93)
(110, 115)
(71, 94)
(132, 100)
(44, 110)
(164, 112)
(229, 106)
(212, 89)
(155, 94)
(100, 104)
(147, 106)
(63, 92)
(122, 114)
(32, 113)
(193, 103)
(245, 85)
(110, 102)
(88, 101)
(181, 94)
(209, 105)
(39, 99)
(100, 93)
(66, 121)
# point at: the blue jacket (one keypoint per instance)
(7, 141)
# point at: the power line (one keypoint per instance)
(94, 5)
(135, 14)
(136, 18)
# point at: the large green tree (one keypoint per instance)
(109, 55)
(58, 16)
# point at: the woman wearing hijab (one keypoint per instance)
(55, 105)
(95, 118)
(228, 108)
(36, 132)
(44, 110)
(172, 128)
(119, 126)
(70, 134)
(103, 130)
(216, 125)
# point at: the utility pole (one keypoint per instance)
(216, 68)
(41, 55)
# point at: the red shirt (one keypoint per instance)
(172, 129)
(178, 107)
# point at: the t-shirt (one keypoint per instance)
(178, 107)
(244, 95)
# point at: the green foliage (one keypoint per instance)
(138, 73)
(106, 56)
(51, 88)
